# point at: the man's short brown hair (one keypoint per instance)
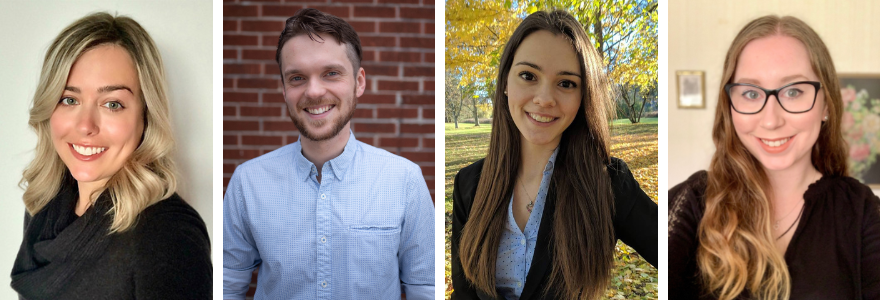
(313, 22)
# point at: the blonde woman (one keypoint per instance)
(103, 219)
(775, 216)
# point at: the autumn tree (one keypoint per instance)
(454, 99)
(476, 32)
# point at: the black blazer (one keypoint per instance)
(635, 223)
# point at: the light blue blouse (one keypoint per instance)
(517, 248)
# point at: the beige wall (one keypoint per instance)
(700, 33)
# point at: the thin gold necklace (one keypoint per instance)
(531, 204)
(776, 225)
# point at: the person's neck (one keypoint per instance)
(85, 199)
(790, 184)
(534, 158)
(319, 152)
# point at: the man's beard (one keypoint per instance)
(337, 127)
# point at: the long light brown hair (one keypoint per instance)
(737, 250)
(583, 233)
(149, 175)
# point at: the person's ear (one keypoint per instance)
(361, 82)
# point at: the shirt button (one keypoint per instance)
(323, 240)
(518, 283)
(522, 242)
(324, 283)
(323, 196)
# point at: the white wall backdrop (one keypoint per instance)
(700, 33)
(181, 30)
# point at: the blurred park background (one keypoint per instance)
(624, 33)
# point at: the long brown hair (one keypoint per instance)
(737, 249)
(583, 233)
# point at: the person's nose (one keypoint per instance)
(87, 121)
(544, 96)
(772, 116)
(316, 89)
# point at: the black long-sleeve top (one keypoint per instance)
(833, 254)
(165, 255)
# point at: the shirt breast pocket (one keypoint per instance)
(373, 250)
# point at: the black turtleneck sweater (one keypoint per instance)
(165, 255)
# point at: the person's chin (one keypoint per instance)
(84, 175)
(776, 163)
(320, 131)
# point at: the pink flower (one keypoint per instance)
(849, 95)
(847, 122)
(855, 134)
(859, 152)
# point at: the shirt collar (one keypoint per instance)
(551, 161)
(336, 166)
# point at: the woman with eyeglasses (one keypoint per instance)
(775, 216)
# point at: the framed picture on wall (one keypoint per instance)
(861, 125)
(691, 87)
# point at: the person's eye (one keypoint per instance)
(528, 76)
(792, 93)
(332, 73)
(751, 95)
(296, 78)
(68, 101)
(113, 105)
(568, 84)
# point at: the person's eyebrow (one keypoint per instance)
(334, 67)
(785, 80)
(111, 88)
(327, 67)
(101, 90)
(568, 73)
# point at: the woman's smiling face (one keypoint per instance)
(778, 139)
(543, 87)
(98, 122)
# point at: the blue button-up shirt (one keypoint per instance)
(365, 231)
(517, 247)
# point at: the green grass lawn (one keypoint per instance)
(636, 144)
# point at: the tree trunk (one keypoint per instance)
(476, 115)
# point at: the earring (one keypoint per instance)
(826, 118)
(505, 93)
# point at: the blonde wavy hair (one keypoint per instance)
(149, 175)
(737, 250)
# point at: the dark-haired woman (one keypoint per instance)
(538, 218)
(775, 216)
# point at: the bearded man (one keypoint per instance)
(327, 217)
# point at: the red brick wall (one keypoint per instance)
(396, 113)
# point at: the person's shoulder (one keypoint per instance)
(386, 159)
(844, 190)
(465, 183)
(472, 171)
(689, 192)
(619, 171)
(170, 249)
(169, 218)
(269, 160)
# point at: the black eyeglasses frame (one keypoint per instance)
(768, 93)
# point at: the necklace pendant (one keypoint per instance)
(530, 206)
